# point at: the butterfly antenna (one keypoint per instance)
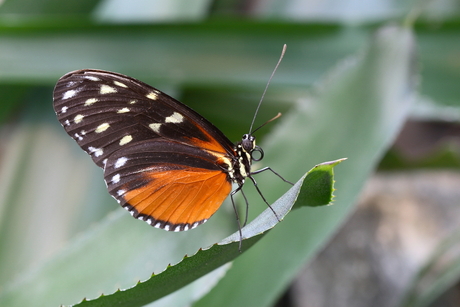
(266, 87)
(268, 121)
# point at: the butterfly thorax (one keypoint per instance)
(243, 158)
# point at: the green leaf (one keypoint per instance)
(319, 186)
(355, 112)
(57, 270)
(439, 48)
(211, 53)
(43, 8)
(11, 94)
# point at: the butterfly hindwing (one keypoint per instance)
(167, 184)
(162, 161)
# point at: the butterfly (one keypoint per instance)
(162, 161)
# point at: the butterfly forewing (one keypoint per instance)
(162, 161)
(104, 111)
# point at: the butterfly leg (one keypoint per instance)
(239, 188)
(261, 195)
(268, 168)
(247, 207)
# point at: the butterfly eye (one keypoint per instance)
(259, 154)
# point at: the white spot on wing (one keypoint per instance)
(177, 229)
(102, 127)
(90, 101)
(132, 102)
(107, 89)
(194, 225)
(92, 78)
(167, 227)
(118, 83)
(116, 178)
(175, 118)
(79, 137)
(152, 96)
(77, 119)
(69, 94)
(157, 225)
(121, 192)
(124, 110)
(155, 127)
(120, 162)
(64, 109)
(126, 139)
(97, 151)
(67, 122)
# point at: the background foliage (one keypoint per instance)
(351, 76)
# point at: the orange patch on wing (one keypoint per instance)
(182, 196)
(212, 145)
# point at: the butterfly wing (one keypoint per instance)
(104, 111)
(167, 184)
(162, 161)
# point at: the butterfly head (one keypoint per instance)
(246, 150)
(248, 143)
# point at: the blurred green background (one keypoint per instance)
(376, 81)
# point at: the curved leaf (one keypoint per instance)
(355, 112)
(175, 276)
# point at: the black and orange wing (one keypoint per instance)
(167, 184)
(162, 161)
